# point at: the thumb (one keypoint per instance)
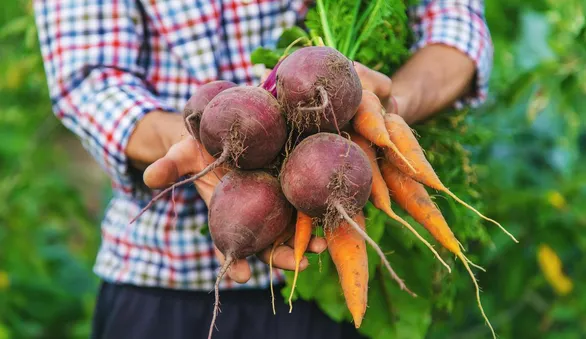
(239, 270)
(185, 157)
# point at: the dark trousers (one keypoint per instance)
(130, 312)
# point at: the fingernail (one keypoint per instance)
(304, 263)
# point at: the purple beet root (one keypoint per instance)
(198, 102)
(330, 177)
(244, 125)
(326, 170)
(319, 89)
(247, 213)
(241, 126)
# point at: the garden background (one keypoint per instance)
(528, 174)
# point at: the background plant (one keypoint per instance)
(518, 159)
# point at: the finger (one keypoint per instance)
(283, 258)
(393, 106)
(183, 158)
(240, 271)
(316, 244)
(374, 81)
(172, 166)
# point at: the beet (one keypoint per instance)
(326, 169)
(247, 213)
(242, 126)
(330, 178)
(319, 89)
(198, 102)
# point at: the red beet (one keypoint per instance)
(330, 177)
(319, 89)
(198, 102)
(247, 213)
(326, 169)
(242, 126)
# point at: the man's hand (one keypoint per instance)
(168, 152)
(431, 80)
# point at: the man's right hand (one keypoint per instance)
(186, 157)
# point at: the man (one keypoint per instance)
(120, 70)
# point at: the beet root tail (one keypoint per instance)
(223, 270)
(193, 178)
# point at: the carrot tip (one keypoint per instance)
(475, 265)
(461, 246)
(293, 287)
(465, 261)
(445, 189)
(402, 221)
(271, 277)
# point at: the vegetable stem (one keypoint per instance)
(365, 14)
(352, 30)
(326, 27)
(368, 27)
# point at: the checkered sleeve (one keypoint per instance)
(95, 70)
(460, 24)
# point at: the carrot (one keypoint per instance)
(379, 195)
(401, 134)
(369, 123)
(347, 249)
(303, 229)
(345, 216)
(414, 199)
(286, 235)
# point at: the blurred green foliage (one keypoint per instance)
(518, 159)
(48, 238)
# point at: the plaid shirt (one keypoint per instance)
(110, 62)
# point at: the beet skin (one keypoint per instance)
(247, 212)
(319, 89)
(323, 169)
(198, 102)
(248, 123)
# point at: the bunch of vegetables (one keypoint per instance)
(308, 148)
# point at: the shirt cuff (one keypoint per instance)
(461, 26)
(105, 119)
(132, 103)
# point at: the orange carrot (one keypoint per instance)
(414, 199)
(286, 235)
(368, 122)
(402, 136)
(303, 229)
(379, 194)
(359, 229)
(348, 251)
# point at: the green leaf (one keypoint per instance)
(264, 56)
(15, 26)
(290, 35)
